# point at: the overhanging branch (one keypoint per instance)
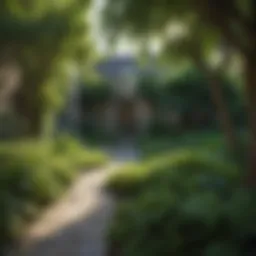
(222, 18)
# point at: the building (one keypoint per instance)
(126, 111)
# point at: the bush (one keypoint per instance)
(33, 174)
(211, 141)
(12, 126)
(162, 223)
(68, 149)
(185, 204)
(179, 167)
(188, 94)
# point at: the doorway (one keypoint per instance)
(127, 121)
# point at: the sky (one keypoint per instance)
(124, 46)
(101, 45)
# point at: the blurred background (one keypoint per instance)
(169, 83)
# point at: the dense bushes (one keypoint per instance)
(95, 93)
(189, 97)
(158, 222)
(179, 167)
(94, 99)
(186, 98)
(33, 174)
(184, 203)
(12, 126)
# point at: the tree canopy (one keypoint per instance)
(232, 19)
(209, 26)
(45, 38)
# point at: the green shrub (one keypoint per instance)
(189, 95)
(33, 174)
(69, 150)
(211, 141)
(179, 167)
(161, 222)
(186, 203)
(12, 126)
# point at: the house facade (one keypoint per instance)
(124, 112)
(127, 111)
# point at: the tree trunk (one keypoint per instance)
(250, 73)
(29, 105)
(30, 112)
(223, 114)
(222, 110)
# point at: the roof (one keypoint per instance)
(114, 65)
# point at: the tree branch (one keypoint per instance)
(220, 16)
(244, 22)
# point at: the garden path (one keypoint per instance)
(77, 225)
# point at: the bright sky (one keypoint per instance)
(98, 37)
(124, 45)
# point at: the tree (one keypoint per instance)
(232, 20)
(197, 46)
(41, 37)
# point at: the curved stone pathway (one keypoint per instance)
(77, 225)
